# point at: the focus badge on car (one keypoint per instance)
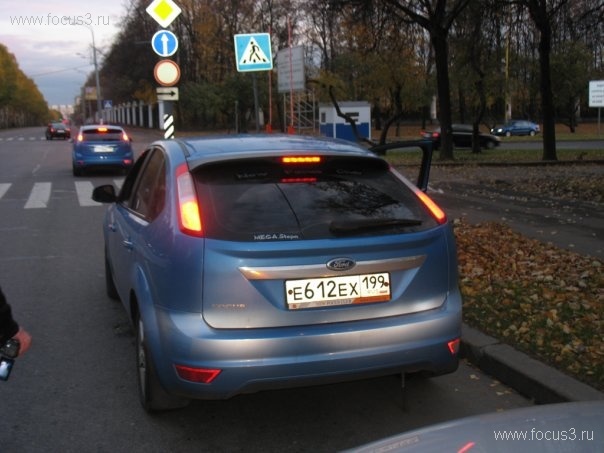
(341, 264)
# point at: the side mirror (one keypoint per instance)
(104, 194)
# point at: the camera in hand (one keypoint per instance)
(8, 352)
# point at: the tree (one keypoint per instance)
(437, 18)
(543, 13)
(472, 42)
(21, 103)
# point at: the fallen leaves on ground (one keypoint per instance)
(543, 300)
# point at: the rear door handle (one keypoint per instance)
(128, 244)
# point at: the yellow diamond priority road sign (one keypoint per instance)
(163, 11)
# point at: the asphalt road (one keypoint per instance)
(75, 390)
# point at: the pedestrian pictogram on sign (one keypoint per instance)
(253, 52)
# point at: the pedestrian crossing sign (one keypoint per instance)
(253, 52)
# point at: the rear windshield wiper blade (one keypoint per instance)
(356, 226)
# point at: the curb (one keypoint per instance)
(526, 375)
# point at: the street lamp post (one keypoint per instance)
(96, 73)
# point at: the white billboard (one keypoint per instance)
(290, 69)
(596, 93)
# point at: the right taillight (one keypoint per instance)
(436, 212)
(189, 216)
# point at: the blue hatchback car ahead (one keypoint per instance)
(258, 262)
(101, 146)
(516, 127)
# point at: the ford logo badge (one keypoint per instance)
(341, 264)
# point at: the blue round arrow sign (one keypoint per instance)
(164, 43)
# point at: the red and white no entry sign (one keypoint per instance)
(167, 73)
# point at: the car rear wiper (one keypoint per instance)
(343, 227)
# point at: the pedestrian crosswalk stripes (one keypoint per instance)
(3, 189)
(40, 195)
(22, 139)
(84, 191)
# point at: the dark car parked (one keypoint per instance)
(516, 127)
(462, 137)
(57, 129)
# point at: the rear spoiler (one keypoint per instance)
(424, 145)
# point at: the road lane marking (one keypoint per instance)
(4, 188)
(41, 191)
(39, 196)
(84, 191)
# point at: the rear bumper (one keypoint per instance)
(262, 359)
(86, 162)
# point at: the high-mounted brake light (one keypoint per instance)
(188, 208)
(436, 212)
(299, 180)
(301, 159)
(102, 129)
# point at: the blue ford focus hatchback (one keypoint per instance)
(101, 146)
(249, 263)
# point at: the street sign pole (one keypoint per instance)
(168, 120)
(256, 107)
(166, 72)
(252, 54)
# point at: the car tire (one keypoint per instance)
(76, 171)
(508, 134)
(532, 133)
(489, 144)
(152, 395)
(109, 282)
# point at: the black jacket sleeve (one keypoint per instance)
(8, 326)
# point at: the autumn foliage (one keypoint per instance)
(545, 301)
(21, 103)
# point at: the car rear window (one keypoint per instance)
(265, 200)
(102, 135)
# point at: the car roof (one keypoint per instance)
(201, 150)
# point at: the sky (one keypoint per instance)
(50, 50)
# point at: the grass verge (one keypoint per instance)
(544, 301)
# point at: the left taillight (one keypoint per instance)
(189, 216)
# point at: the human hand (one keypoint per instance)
(24, 339)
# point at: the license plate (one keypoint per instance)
(103, 149)
(333, 291)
